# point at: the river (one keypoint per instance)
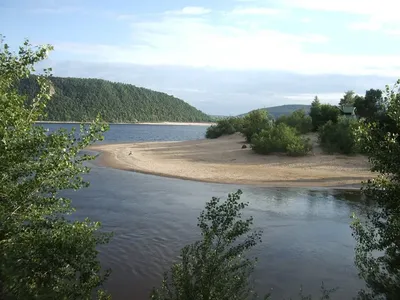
(306, 240)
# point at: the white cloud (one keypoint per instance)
(393, 32)
(195, 42)
(255, 11)
(379, 14)
(190, 10)
(370, 26)
(306, 98)
(305, 20)
(366, 7)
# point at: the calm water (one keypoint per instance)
(306, 238)
(139, 133)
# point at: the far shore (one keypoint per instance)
(224, 161)
(138, 123)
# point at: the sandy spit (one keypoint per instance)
(224, 161)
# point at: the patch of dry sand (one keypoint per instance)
(224, 161)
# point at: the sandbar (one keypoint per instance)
(223, 160)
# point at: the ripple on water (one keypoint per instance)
(306, 237)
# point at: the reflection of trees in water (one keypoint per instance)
(353, 200)
(306, 202)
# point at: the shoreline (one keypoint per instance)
(223, 161)
(138, 123)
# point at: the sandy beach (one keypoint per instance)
(224, 161)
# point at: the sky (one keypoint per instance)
(225, 57)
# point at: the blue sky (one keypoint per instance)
(225, 56)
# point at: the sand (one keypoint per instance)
(224, 161)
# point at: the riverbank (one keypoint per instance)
(224, 161)
(139, 123)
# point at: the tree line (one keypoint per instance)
(288, 133)
(81, 99)
(44, 255)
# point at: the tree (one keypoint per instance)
(225, 126)
(255, 122)
(81, 99)
(368, 107)
(280, 138)
(298, 120)
(339, 137)
(215, 267)
(43, 255)
(322, 113)
(348, 98)
(378, 236)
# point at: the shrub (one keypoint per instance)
(339, 137)
(299, 147)
(323, 113)
(217, 266)
(298, 120)
(281, 139)
(255, 122)
(224, 127)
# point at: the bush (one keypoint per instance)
(281, 139)
(255, 122)
(299, 147)
(339, 137)
(298, 120)
(224, 127)
(217, 266)
(323, 113)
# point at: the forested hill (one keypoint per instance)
(81, 99)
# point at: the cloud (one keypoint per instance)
(380, 15)
(255, 11)
(370, 26)
(195, 41)
(305, 20)
(363, 7)
(190, 10)
(393, 32)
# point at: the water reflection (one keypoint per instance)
(306, 240)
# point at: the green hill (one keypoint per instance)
(277, 111)
(79, 99)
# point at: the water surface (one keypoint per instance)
(306, 240)
(121, 133)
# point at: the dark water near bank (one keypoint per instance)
(307, 238)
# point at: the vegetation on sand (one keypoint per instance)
(299, 120)
(322, 113)
(339, 137)
(255, 122)
(280, 138)
(225, 127)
